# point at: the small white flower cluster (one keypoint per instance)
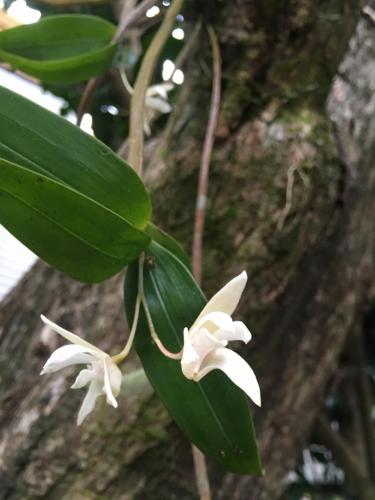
(156, 102)
(204, 350)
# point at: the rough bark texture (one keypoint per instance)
(286, 203)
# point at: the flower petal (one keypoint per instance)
(204, 342)
(160, 89)
(226, 299)
(84, 377)
(112, 381)
(214, 321)
(68, 355)
(115, 377)
(146, 123)
(74, 339)
(190, 360)
(239, 331)
(88, 404)
(158, 104)
(235, 368)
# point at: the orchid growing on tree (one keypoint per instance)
(205, 342)
(92, 215)
(102, 375)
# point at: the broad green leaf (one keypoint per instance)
(60, 49)
(214, 414)
(165, 240)
(47, 144)
(65, 228)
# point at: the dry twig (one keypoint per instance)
(125, 21)
(200, 213)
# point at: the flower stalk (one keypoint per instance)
(118, 358)
(159, 344)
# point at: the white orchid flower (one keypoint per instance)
(102, 375)
(156, 101)
(205, 342)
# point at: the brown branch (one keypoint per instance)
(200, 213)
(86, 99)
(129, 19)
(186, 49)
(122, 8)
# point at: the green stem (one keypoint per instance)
(118, 358)
(142, 83)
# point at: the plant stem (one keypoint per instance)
(125, 21)
(118, 358)
(150, 323)
(86, 99)
(186, 50)
(200, 212)
(143, 82)
(131, 18)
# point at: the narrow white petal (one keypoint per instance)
(239, 331)
(190, 359)
(158, 104)
(235, 368)
(72, 337)
(68, 355)
(226, 299)
(89, 401)
(84, 377)
(242, 332)
(107, 388)
(115, 377)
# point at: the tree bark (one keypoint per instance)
(290, 201)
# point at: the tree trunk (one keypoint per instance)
(290, 201)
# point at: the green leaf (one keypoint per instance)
(65, 228)
(60, 49)
(214, 413)
(165, 240)
(47, 144)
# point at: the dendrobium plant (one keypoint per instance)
(205, 342)
(102, 375)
